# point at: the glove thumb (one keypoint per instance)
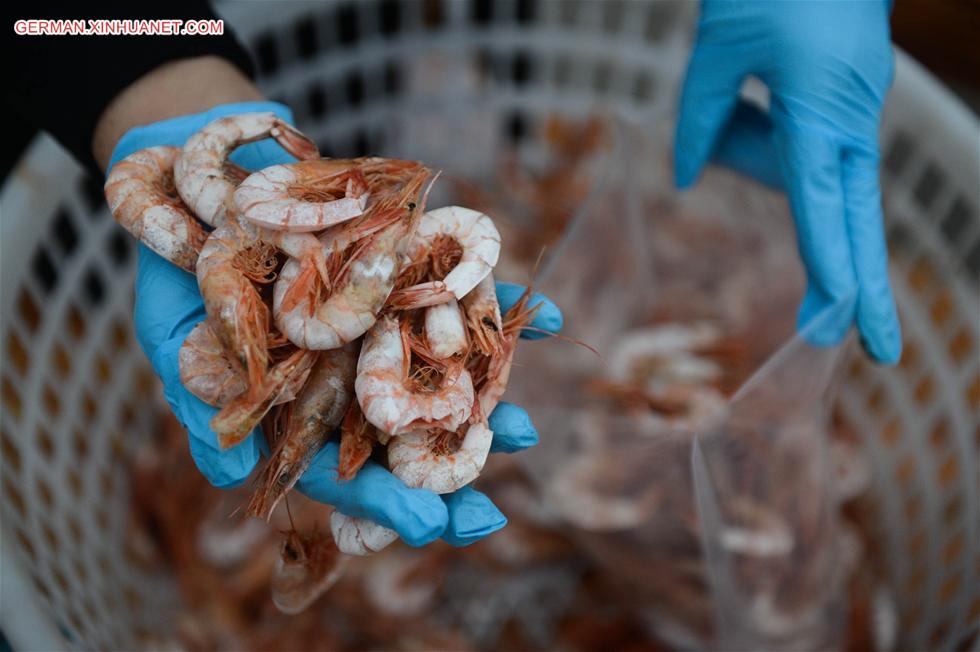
(708, 100)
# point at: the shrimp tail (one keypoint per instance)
(306, 285)
(294, 142)
(237, 419)
(357, 439)
(253, 320)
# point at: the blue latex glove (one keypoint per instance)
(828, 66)
(169, 305)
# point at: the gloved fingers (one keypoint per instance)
(222, 468)
(811, 167)
(548, 317)
(512, 429)
(168, 302)
(418, 515)
(877, 317)
(472, 516)
(746, 146)
(708, 100)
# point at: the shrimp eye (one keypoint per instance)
(283, 478)
(411, 206)
(489, 324)
(290, 552)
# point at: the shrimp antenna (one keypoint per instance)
(289, 513)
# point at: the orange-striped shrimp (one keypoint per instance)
(312, 418)
(357, 440)
(304, 196)
(141, 195)
(444, 460)
(479, 240)
(366, 276)
(483, 319)
(396, 403)
(440, 461)
(201, 171)
(239, 417)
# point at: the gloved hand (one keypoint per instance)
(828, 66)
(169, 305)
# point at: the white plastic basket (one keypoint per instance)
(450, 82)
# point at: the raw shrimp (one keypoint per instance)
(211, 375)
(359, 289)
(437, 461)
(304, 196)
(206, 180)
(307, 566)
(206, 371)
(201, 171)
(483, 319)
(573, 492)
(444, 329)
(359, 536)
(474, 232)
(491, 372)
(440, 461)
(141, 195)
(233, 423)
(231, 259)
(313, 416)
(391, 401)
(357, 440)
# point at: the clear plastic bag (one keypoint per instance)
(767, 513)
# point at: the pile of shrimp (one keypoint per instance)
(333, 299)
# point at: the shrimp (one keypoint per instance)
(364, 280)
(304, 196)
(308, 565)
(438, 461)
(141, 195)
(359, 536)
(444, 329)
(201, 170)
(491, 372)
(357, 440)
(233, 423)
(391, 401)
(231, 259)
(205, 369)
(211, 375)
(313, 416)
(474, 232)
(483, 319)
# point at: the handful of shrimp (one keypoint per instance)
(326, 281)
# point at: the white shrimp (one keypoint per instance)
(209, 373)
(359, 536)
(444, 329)
(385, 394)
(141, 195)
(416, 459)
(201, 169)
(304, 196)
(356, 297)
(480, 242)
